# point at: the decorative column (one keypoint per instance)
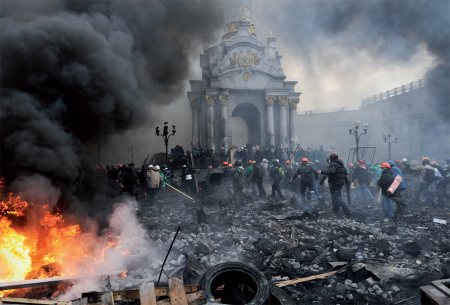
(224, 99)
(195, 102)
(293, 122)
(210, 101)
(282, 102)
(270, 123)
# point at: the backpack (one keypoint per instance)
(277, 172)
(429, 175)
(238, 177)
(306, 171)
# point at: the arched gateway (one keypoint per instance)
(243, 78)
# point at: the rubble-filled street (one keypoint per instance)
(286, 242)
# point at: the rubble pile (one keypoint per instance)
(286, 241)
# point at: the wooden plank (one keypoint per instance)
(52, 280)
(108, 298)
(133, 294)
(178, 193)
(177, 294)
(82, 301)
(196, 298)
(147, 294)
(32, 301)
(307, 279)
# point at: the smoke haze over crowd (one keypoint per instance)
(79, 72)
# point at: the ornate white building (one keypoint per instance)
(242, 77)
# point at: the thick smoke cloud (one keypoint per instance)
(347, 47)
(76, 72)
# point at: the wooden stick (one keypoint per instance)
(168, 254)
(404, 300)
(32, 301)
(179, 193)
(307, 279)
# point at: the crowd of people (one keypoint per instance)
(306, 171)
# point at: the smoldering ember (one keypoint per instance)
(225, 152)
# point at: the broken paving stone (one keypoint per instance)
(395, 289)
(348, 282)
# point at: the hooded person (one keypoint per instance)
(385, 181)
(277, 174)
(362, 174)
(337, 177)
(307, 173)
(376, 169)
(426, 176)
(155, 181)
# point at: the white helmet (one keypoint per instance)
(157, 166)
(150, 166)
(404, 160)
(317, 161)
(265, 161)
(277, 160)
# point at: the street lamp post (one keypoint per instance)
(387, 139)
(165, 135)
(354, 131)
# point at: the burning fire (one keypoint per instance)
(25, 251)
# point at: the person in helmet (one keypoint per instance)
(238, 180)
(307, 173)
(258, 178)
(226, 171)
(385, 181)
(361, 173)
(277, 174)
(426, 176)
(248, 177)
(288, 171)
(337, 177)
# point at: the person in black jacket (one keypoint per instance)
(361, 173)
(258, 179)
(337, 177)
(385, 181)
(307, 174)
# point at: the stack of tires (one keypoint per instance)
(237, 283)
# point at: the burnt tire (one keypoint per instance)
(279, 296)
(242, 284)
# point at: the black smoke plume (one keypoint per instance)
(75, 72)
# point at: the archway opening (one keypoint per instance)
(252, 118)
(239, 131)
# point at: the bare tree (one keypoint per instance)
(132, 151)
(100, 142)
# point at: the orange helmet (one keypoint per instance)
(304, 160)
(385, 165)
(224, 163)
(287, 162)
(250, 162)
(230, 165)
(342, 159)
(351, 164)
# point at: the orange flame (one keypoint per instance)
(23, 251)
